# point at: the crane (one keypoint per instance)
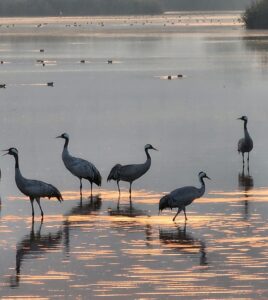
(182, 197)
(34, 189)
(245, 144)
(130, 173)
(79, 167)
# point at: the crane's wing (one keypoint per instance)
(37, 188)
(114, 173)
(132, 172)
(80, 167)
(184, 196)
(240, 145)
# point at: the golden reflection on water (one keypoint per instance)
(97, 249)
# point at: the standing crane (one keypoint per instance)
(79, 167)
(130, 173)
(34, 189)
(182, 197)
(245, 144)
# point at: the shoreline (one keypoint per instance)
(189, 18)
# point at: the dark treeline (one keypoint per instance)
(256, 16)
(110, 7)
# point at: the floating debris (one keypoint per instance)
(2, 86)
(82, 61)
(50, 83)
(110, 61)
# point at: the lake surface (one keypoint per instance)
(93, 249)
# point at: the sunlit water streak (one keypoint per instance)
(136, 254)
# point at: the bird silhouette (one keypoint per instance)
(130, 173)
(245, 144)
(79, 167)
(34, 189)
(33, 246)
(182, 197)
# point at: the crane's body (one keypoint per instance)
(245, 145)
(130, 173)
(182, 197)
(34, 189)
(79, 167)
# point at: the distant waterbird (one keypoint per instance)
(2, 85)
(130, 173)
(245, 145)
(182, 197)
(34, 189)
(50, 84)
(79, 167)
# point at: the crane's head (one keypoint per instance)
(11, 151)
(243, 118)
(149, 146)
(202, 175)
(164, 203)
(63, 136)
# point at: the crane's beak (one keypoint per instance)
(154, 149)
(5, 151)
(239, 118)
(207, 177)
(58, 137)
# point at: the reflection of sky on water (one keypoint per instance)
(97, 249)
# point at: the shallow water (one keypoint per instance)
(96, 249)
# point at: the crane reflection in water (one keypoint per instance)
(181, 240)
(84, 208)
(245, 183)
(34, 246)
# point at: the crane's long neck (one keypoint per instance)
(65, 151)
(16, 160)
(247, 136)
(66, 143)
(147, 155)
(203, 187)
(18, 177)
(148, 160)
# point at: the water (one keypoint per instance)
(93, 250)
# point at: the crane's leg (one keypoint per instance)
(80, 188)
(130, 184)
(118, 188)
(179, 210)
(38, 202)
(184, 210)
(248, 157)
(243, 158)
(91, 189)
(32, 200)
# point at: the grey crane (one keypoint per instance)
(34, 189)
(79, 167)
(245, 144)
(182, 197)
(130, 173)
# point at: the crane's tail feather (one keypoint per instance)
(97, 178)
(114, 174)
(164, 202)
(54, 192)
